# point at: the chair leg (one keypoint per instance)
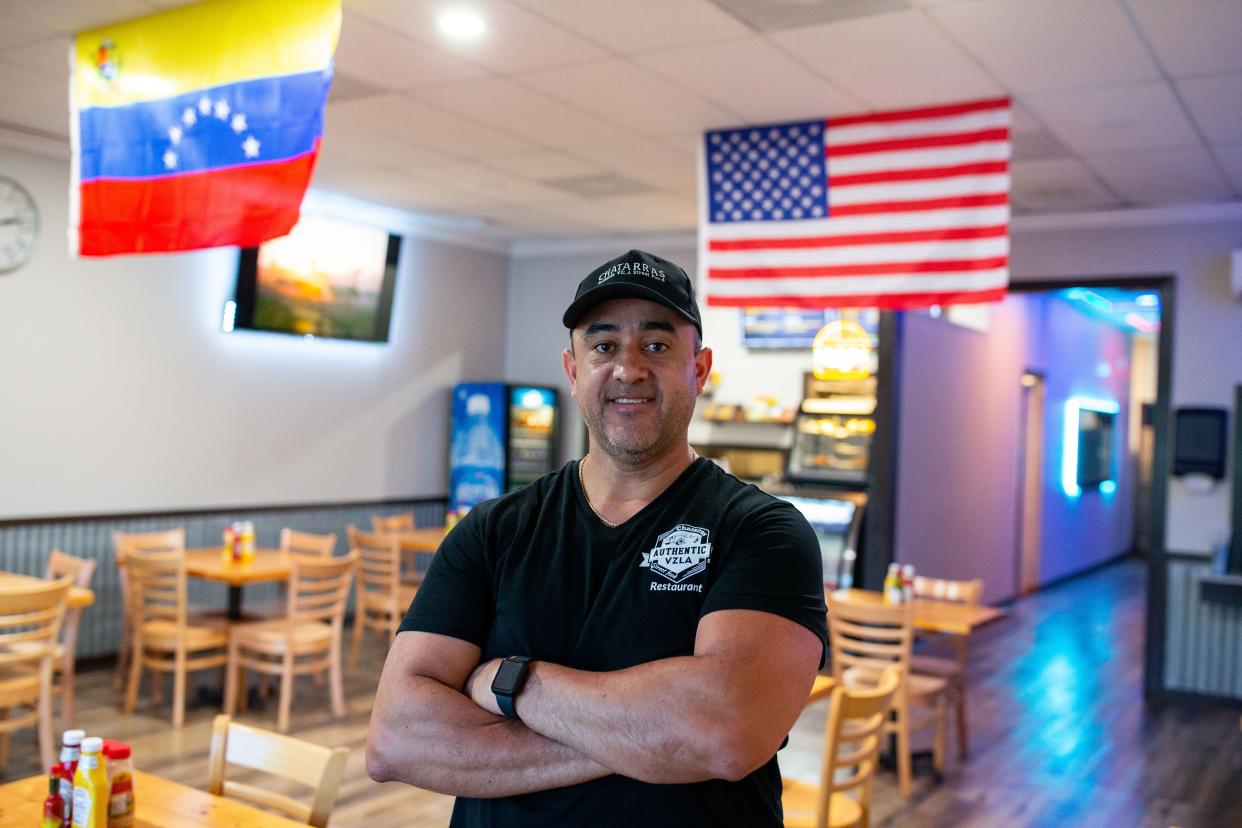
(963, 740)
(123, 653)
(334, 679)
(47, 747)
(4, 742)
(68, 696)
(942, 732)
(230, 680)
(359, 621)
(179, 690)
(135, 676)
(903, 752)
(286, 692)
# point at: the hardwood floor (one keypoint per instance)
(1060, 736)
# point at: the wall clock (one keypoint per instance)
(19, 225)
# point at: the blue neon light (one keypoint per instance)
(1069, 453)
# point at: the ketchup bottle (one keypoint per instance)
(64, 770)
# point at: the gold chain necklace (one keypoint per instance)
(694, 455)
(581, 465)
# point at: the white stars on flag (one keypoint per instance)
(189, 148)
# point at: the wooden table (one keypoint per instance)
(210, 565)
(78, 596)
(947, 617)
(158, 803)
(421, 540)
(821, 689)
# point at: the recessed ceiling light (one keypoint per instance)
(1147, 300)
(460, 23)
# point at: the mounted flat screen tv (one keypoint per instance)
(1095, 448)
(327, 278)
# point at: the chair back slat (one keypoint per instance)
(157, 585)
(304, 543)
(942, 589)
(403, 522)
(30, 619)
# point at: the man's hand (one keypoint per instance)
(479, 686)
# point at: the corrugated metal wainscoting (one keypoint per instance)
(24, 548)
(1203, 650)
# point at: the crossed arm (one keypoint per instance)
(719, 713)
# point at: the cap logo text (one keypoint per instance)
(631, 269)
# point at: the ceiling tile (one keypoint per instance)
(628, 95)
(508, 105)
(655, 163)
(890, 61)
(346, 138)
(75, 15)
(1051, 44)
(33, 99)
(765, 15)
(1163, 176)
(1098, 121)
(17, 32)
(476, 178)
(1061, 184)
(1214, 104)
(424, 125)
(384, 58)
(752, 77)
(49, 57)
(1231, 159)
(515, 40)
(614, 24)
(1196, 38)
(541, 165)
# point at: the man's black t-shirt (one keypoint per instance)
(537, 573)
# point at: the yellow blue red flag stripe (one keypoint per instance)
(199, 127)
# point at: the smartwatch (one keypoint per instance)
(510, 679)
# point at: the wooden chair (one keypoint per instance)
(313, 766)
(381, 599)
(30, 621)
(867, 637)
(951, 668)
(170, 540)
(80, 571)
(165, 637)
(306, 641)
(403, 522)
(852, 737)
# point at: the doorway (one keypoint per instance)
(1030, 482)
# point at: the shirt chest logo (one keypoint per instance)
(679, 554)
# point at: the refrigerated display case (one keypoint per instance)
(503, 437)
(832, 440)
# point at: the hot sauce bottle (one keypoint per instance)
(54, 806)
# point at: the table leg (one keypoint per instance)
(235, 603)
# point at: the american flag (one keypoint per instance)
(891, 209)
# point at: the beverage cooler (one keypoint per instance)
(503, 437)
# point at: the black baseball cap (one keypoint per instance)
(636, 275)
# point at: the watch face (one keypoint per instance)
(19, 225)
(508, 677)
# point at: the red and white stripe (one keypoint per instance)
(918, 215)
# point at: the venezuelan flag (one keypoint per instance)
(198, 127)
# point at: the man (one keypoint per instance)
(628, 640)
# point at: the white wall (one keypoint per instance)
(119, 393)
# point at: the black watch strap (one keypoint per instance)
(505, 697)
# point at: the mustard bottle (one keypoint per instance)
(91, 790)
